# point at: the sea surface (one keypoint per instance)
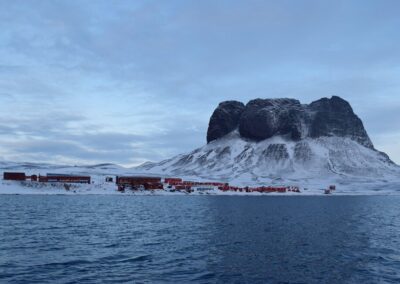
(199, 239)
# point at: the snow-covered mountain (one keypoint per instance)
(278, 140)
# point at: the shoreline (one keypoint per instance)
(241, 194)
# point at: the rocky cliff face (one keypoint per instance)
(265, 118)
(261, 119)
(335, 117)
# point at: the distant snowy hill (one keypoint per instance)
(43, 168)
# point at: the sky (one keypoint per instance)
(87, 82)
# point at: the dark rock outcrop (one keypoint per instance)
(335, 117)
(224, 119)
(264, 118)
(302, 152)
(276, 152)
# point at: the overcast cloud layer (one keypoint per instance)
(85, 82)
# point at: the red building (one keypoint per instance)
(137, 181)
(14, 176)
(173, 181)
(64, 178)
(33, 177)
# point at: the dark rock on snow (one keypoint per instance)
(264, 118)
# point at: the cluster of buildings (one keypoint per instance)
(146, 183)
(19, 176)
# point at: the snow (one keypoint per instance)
(331, 160)
(318, 163)
(308, 186)
(102, 188)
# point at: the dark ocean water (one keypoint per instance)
(214, 239)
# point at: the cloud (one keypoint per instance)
(145, 76)
(64, 139)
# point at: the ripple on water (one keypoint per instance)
(85, 239)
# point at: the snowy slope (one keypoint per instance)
(309, 163)
(278, 160)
